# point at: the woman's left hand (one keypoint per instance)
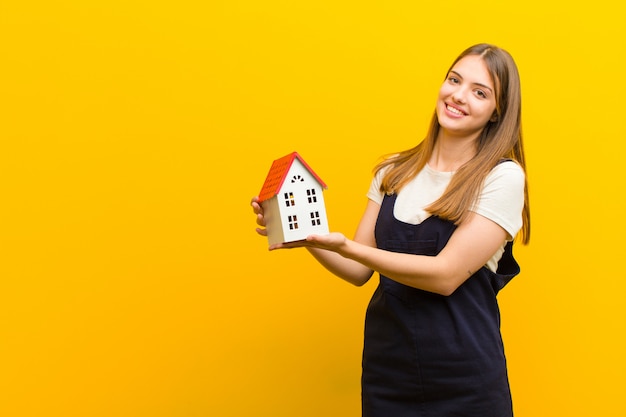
(334, 242)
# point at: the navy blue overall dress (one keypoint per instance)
(430, 355)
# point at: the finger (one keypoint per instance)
(289, 245)
(313, 239)
(254, 202)
(258, 209)
(262, 232)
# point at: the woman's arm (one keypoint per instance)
(348, 269)
(471, 245)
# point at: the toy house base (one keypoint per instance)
(293, 201)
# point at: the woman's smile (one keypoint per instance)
(455, 110)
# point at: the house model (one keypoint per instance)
(292, 201)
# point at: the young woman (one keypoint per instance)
(439, 227)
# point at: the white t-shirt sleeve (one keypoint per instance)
(502, 198)
(374, 192)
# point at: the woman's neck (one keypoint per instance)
(450, 154)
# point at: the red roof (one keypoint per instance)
(278, 172)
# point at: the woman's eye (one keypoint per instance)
(453, 80)
(481, 94)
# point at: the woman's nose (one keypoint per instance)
(458, 96)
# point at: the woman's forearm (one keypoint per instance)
(423, 272)
(472, 244)
(346, 269)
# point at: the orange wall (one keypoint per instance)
(135, 133)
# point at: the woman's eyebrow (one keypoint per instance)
(478, 84)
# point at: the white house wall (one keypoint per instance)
(296, 183)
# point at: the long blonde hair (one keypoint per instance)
(500, 139)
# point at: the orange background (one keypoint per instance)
(134, 134)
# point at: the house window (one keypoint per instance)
(315, 218)
(289, 201)
(293, 222)
(297, 178)
(311, 195)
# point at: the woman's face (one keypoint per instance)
(467, 100)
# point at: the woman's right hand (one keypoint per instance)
(260, 219)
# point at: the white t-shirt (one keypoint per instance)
(501, 200)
